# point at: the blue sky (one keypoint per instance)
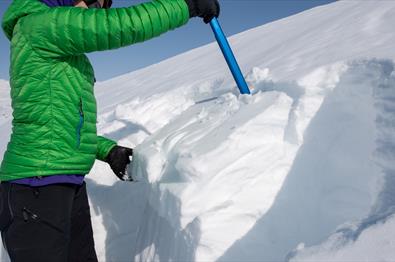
(236, 16)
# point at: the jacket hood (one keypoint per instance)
(18, 9)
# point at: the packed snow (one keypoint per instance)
(301, 170)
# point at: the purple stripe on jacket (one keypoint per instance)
(49, 180)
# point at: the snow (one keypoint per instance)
(372, 242)
(302, 170)
(5, 115)
(5, 102)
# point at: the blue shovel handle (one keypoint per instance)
(229, 57)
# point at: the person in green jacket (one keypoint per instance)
(44, 210)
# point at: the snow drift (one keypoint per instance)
(303, 169)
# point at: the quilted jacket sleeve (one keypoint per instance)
(73, 31)
(104, 145)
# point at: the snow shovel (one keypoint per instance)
(229, 56)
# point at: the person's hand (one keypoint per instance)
(207, 9)
(118, 159)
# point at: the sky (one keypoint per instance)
(236, 16)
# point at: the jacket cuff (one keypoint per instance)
(104, 146)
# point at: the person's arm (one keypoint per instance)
(104, 146)
(73, 31)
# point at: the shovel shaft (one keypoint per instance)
(229, 57)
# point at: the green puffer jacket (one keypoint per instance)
(54, 108)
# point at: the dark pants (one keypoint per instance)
(49, 223)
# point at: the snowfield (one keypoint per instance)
(301, 170)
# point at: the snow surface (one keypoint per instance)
(302, 170)
(5, 102)
(5, 115)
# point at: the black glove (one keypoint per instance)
(118, 159)
(207, 9)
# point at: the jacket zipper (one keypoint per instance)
(80, 123)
